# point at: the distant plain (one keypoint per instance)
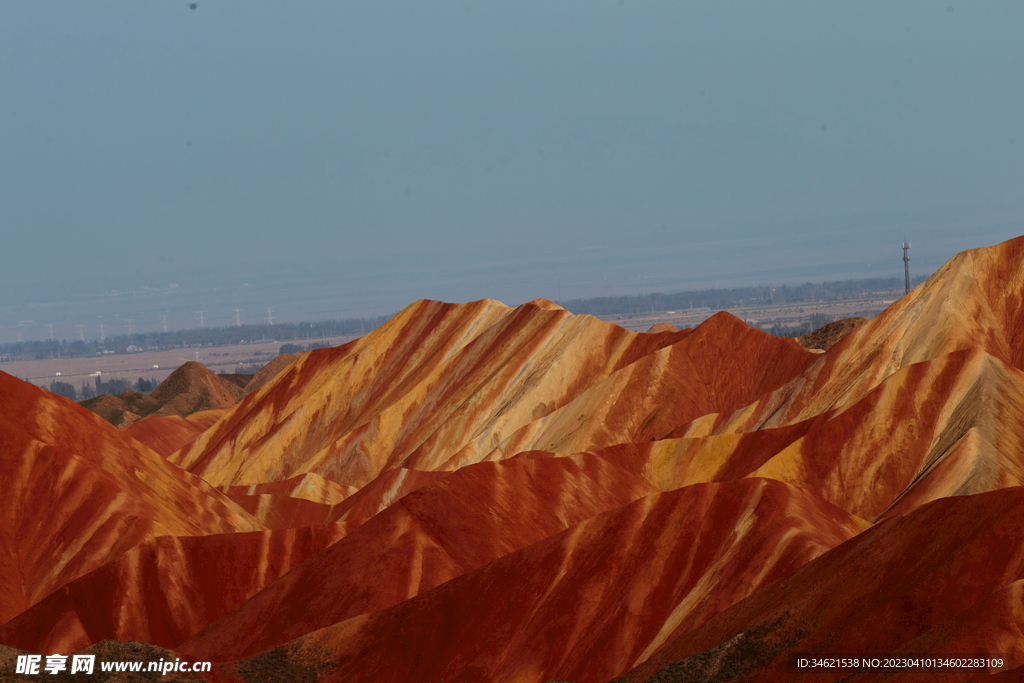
(228, 358)
(132, 366)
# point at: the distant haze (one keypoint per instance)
(340, 159)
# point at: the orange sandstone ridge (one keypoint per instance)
(474, 492)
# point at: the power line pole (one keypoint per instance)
(906, 267)
(51, 331)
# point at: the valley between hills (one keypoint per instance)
(479, 493)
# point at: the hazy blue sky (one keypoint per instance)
(366, 154)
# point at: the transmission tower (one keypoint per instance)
(201, 324)
(270, 317)
(906, 266)
(238, 316)
(165, 323)
(81, 335)
(102, 337)
(129, 321)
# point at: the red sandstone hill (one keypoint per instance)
(117, 600)
(425, 539)
(435, 380)
(164, 434)
(881, 592)
(584, 604)
(474, 492)
(79, 494)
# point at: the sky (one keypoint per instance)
(344, 158)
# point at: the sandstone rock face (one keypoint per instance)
(79, 494)
(474, 492)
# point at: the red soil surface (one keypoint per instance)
(163, 434)
(307, 487)
(202, 577)
(550, 611)
(83, 494)
(469, 518)
(946, 575)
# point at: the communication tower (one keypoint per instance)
(906, 267)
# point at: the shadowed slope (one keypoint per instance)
(300, 501)
(380, 493)
(585, 604)
(81, 494)
(309, 487)
(435, 379)
(993, 625)
(926, 574)
(283, 512)
(163, 434)
(164, 590)
(430, 536)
